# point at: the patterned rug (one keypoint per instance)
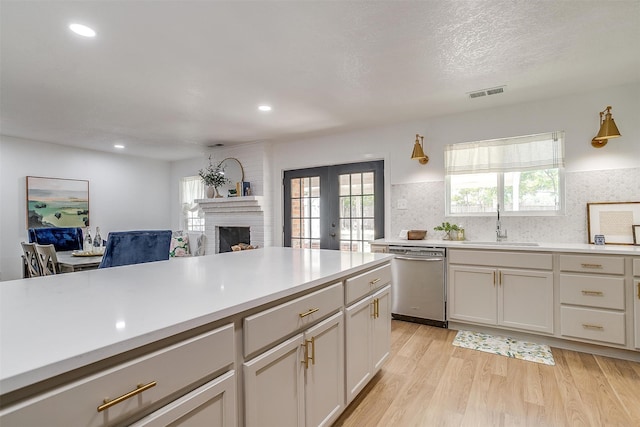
(505, 346)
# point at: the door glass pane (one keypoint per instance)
(368, 206)
(305, 211)
(345, 229)
(356, 183)
(367, 183)
(344, 185)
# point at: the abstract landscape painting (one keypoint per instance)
(55, 202)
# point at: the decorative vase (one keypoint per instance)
(211, 191)
(217, 195)
(447, 235)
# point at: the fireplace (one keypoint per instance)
(235, 212)
(232, 236)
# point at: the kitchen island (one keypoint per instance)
(61, 335)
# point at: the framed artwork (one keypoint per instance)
(636, 234)
(614, 221)
(57, 202)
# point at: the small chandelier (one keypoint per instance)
(418, 151)
(608, 129)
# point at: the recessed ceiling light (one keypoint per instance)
(118, 146)
(264, 108)
(82, 30)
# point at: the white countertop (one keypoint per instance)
(51, 325)
(507, 245)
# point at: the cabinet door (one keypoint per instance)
(381, 328)
(274, 386)
(636, 299)
(358, 350)
(472, 294)
(213, 404)
(324, 386)
(525, 299)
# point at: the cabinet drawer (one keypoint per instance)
(592, 264)
(592, 324)
(592, 290)
(269, 326)
(636, 267)
(529, 260)
(359, 286)
(172, 369)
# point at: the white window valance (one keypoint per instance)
(541, 151)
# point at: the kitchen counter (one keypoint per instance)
(513, 246)
(52, 325)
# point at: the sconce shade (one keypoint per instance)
(418, 152)
(608, 128)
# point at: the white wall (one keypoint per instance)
(577, 115)
(125, 192)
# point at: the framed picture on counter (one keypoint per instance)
(636, 234)
(614, 220)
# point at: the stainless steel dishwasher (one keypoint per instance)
(419, 286)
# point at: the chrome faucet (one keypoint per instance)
(501, 234)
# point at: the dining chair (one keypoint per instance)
(62, 238)
(47, 259)
(31, 266)
(136, 247)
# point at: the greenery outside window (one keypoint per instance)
(525, 175)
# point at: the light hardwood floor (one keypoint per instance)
(429, 382)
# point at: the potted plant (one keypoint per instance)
(447, 228)
(213, 177)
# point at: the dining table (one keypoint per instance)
(69, 261)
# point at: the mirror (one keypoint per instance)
(233, 172)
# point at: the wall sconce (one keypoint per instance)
(608, 129)
(418, 151)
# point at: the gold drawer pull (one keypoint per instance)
(588, 326)
(591, 265)
(311, 311)
(109, 403)
(638, 290)
(593, 293)
(374, 281)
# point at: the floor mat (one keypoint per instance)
(505, 346)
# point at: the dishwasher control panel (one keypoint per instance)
(417, 251)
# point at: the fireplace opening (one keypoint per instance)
(231, 236)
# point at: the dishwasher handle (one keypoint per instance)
(419, 259)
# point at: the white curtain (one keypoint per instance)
(191, 189)
(541, 151)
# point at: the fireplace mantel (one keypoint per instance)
(225, 205)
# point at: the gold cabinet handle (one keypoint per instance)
(591, 265)
(311, 311)
(374, 281)
(593, 293)
(494, 279)
(500, 279)
(638, 290)
(109, 403)
(306, 359)
(588, 326)
(377, 308)
(373, 304)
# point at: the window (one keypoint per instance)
(525, 175)
(191, 188)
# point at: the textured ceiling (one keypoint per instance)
(167, 78)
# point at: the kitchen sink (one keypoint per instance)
(471, 242)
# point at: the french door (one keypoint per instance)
(334, 207)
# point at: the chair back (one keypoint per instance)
(62, 238)
(31, 265)
(136, 247)
(47, 259)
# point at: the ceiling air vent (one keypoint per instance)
(485, 92)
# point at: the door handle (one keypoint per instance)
(332, 234)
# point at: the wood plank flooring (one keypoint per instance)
(429, 382)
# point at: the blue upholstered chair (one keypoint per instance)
(62, 238)
(136, 247)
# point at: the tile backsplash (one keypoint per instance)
(425, 209)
